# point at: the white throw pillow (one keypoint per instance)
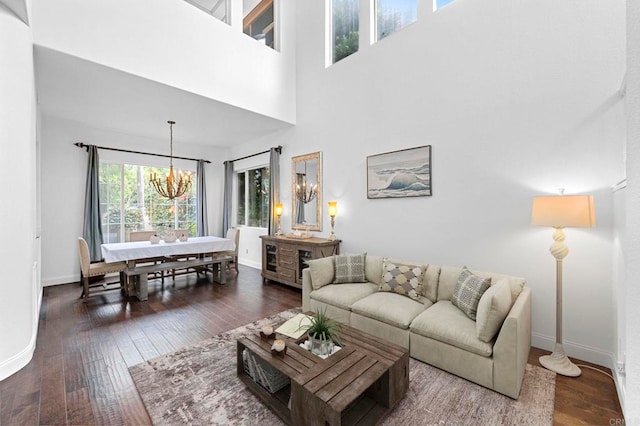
(322, 271)
(493, 308)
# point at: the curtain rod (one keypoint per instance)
(83, 145)
(278, 148)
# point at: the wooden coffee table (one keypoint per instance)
(358, 384)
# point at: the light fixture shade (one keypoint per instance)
(562, 211)
(279, 209)
(333, 208)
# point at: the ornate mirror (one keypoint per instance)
(306, 191)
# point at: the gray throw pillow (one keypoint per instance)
(349, 268)
(322, 271)
(468, 291)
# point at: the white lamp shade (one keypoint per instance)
(564, 211)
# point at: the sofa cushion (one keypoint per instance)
(349, 268)
(403, 279)
(430, 285)
(373, 269)
(343, 295)
(389, 308)
(493, 308)
(322, 271)
(449, 278)
(446, 323)
(468, 292)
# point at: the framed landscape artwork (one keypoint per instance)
(399, 174)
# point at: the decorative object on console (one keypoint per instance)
(399, 174)
(172, 186)
(279, 209)
(154, 239)
(333, 211)
(560, 212)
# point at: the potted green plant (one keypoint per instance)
(323, 332)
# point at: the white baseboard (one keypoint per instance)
(65, 279)
(19, 360)
(251, 264)
(585, 353)
(620, 385)
(576, 350)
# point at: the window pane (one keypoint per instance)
(241, 198)
(437, 4)
(215, 8)
(258, 20)
(392, 15)
(345, 28)
(144, 209)
(253, 198)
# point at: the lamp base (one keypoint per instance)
(560, 363)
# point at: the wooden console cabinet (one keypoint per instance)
(284, 258)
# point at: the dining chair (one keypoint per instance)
(141, 235)
(232, 234)
(89, 269)
(145, 236)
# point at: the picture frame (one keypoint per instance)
(400, 174)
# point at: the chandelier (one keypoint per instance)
(172, 186)
(305, 193)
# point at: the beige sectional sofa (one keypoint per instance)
(434, 330)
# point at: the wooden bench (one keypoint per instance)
(140, 273)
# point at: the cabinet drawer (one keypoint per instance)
(286, 261)
(286, 250)
(286, 274)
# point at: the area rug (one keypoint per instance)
(198, 385)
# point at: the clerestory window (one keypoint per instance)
(344, 28)
(393, 15)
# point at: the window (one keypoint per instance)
(128, 203)
(258, 21)
(253, 197)
(393, 15)
(216, 8)
(344, 28)
(437, 4)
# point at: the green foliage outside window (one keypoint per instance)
(345, 28)
(253, 198)
(127, 186)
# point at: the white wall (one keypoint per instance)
(632, 247)
(64, 173)
(20, 289)
(517, 99)
(175, 43)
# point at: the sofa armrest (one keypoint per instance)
(511, 350)
(306, 289)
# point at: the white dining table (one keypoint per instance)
(135, 250)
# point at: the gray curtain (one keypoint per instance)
(201, 202)
(228, 188)
(274, 188)
(92, 227)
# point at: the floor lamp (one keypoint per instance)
(561, 212)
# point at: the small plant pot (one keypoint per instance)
(320, 346)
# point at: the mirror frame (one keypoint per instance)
(301, 159)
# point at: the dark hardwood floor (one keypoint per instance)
(79, 373)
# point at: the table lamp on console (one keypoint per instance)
(560, 212)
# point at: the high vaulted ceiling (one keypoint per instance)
(99, 96)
